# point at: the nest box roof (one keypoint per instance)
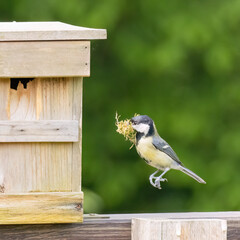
(47, 31)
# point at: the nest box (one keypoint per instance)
(42, 65)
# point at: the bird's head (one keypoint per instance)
(143, 124)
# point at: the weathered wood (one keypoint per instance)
(233, 232)
(191, 229)
(180, 215)
(44, 59)
(34, 167)
(23, 103)
(77, 146)
(4, 86)
(116, 227)
(42, 31)
(31, 167)
(41, 117)
(94, 230)
(39, 131)
(31, 208)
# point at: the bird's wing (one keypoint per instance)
(163, 146)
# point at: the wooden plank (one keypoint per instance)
(94, 230)
(44, 59)
(31, 208)
(77, 146)
(115, 227)
(23, 103)
(180, 215)
(42, 31)
(4, 86)
(36, 167)
(39, 131)
(43, 173)
(191, 229)
(54, 98)
(233, 231)
(55, 102)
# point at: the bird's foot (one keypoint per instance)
(157, 183)
(151, 179)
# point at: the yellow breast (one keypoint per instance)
(155, 157)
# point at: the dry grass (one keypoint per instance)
(125, 128)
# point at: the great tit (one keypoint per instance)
(156, 151)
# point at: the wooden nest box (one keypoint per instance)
(42, 65)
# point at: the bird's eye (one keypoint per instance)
(133, 122)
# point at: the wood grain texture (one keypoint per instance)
(23, 104)
(39, 131)
(26, 167)
(34, 208)
(4, 86)
(42, 31)
(191, 229)
(116, 227)
(94, 230)
(77, 146)
(44, 59)
(34, 167)
(233, 231)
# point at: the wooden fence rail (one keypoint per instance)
(111, 227)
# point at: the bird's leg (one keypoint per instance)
(153, 177)
(160, 179)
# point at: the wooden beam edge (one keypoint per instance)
(39, 131)
(41, 208)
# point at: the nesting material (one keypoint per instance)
(125, 128)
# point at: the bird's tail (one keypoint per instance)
(191, 174)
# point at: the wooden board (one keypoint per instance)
(191, 229)
(34, 208)
(44, 59)
(77, 146)
(36, 167)
(4, 86)
(109, 227)
(42, 31)
(39, 131)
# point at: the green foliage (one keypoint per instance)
(176, 61)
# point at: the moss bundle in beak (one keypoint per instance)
(125, 128)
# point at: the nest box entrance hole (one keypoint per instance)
(15, 81)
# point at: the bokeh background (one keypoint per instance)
(177, 62)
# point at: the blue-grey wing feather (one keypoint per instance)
(163, 146)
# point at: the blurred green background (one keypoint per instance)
(177, 62)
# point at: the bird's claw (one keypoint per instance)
(157, 185)
(161, 180)
(157, 182)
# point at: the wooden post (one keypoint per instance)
(184, 229)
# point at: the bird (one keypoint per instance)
(156, 151)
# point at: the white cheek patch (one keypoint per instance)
(142, 128)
